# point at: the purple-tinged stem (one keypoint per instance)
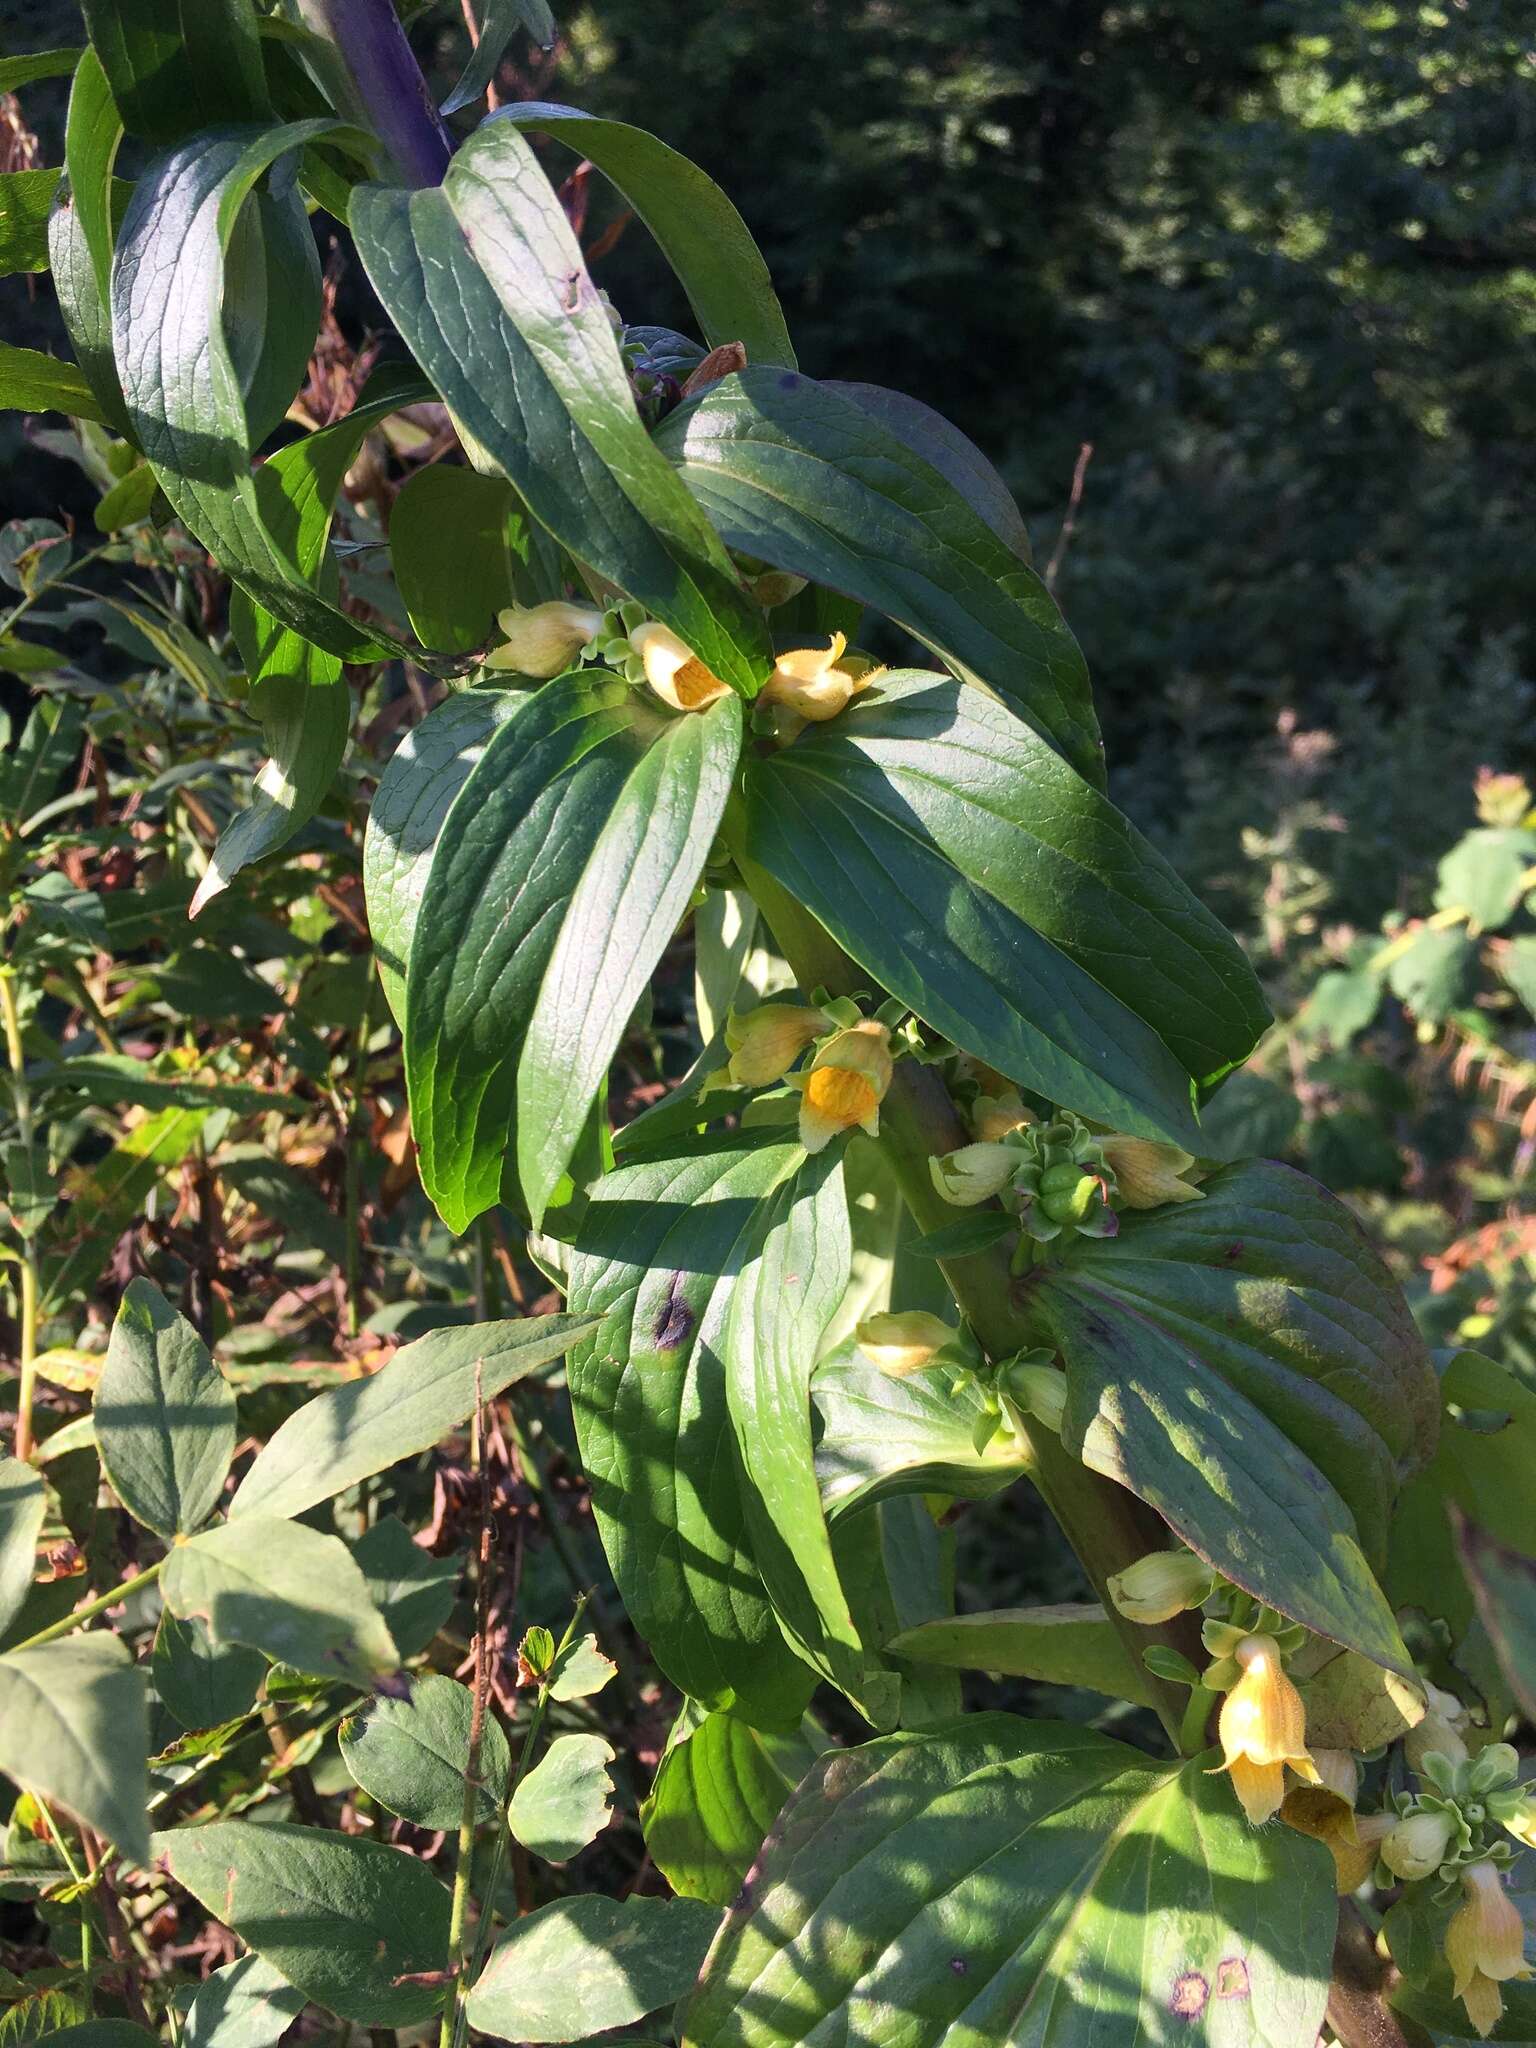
(389, 92)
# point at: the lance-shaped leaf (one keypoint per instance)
(33, 382)
(1020, 1881)
(499, 22)
(880, 1436)
(718, 1791)
(350, 1922)
(562, 869)
(788, 1291)
(486, 283)
(81, 231)
(657, 1257)
(74, 1728)
(23, 1505)
(698, 230)
(960, 861)
(165, 1415)
(1145, 1409)
(1076, 1644)
(425, 773)
(810, 479)
(1272, 1284)
(283, 1589)
(182, 383)
(584, 1965)
(427, 1389)
(296, 688)
(175, 69)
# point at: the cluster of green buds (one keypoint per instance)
(1462, 1814)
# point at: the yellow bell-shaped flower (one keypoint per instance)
(765, 1043)
(903, 1343)
(1485, 1945)
(816, 683)
(1149, 1172)
(672, 668)
(543, 639)
(845, 1084)
(1263, 1729)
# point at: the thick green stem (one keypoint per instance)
(22, 1099)
(81, 1615)
(1107, 1526)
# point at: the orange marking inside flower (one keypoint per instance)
(843, 1098)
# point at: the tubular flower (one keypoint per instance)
(672, 668)
(975, 1173)
(1263, 1727)
(1417, 1846)
(543, 639)
(765, 1042)
(1160, 1585)
(1485, 1945)
(1326, 1811)
(1149, 1173)
(845, 1084)
(816, 683)
(904, 1343)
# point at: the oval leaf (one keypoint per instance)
(74, 1728)
(581, 1966)
(411, 1754)
(165, 1415)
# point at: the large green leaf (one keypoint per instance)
(564, 1800)
(82, 230)
(1070, 1645)
(1016, 1882)
(487, 285)
(1146, 1410)
(451, 537)
(283, 1589)
(349, 1922)
(74, 1728)
(787, 1292)
(176, 65)
(699, 231)
(1273, 1285)
(633, 894)
(23, 1505)
(33, 382)
(425, 773)
(562, 868)
(966, 866)
(183, 384)
(880, 1436)
(165, 1415)
(657, 1257)
(427, 1389)
(810, 479)
(953, 454)
(717, 1792)
(581, 1966)
(246, 2004)
(412, 1754)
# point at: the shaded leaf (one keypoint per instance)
(881, 1436)
(23, 1504)
(717, 1792)
(1069, 1645)
(246, 2004)
(412, 1589)
(583, 1965)
(74, 1729)
(165, 1415)
(564, 1800)
(411, 1754)
(202, 1684)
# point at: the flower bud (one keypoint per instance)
(765, 1043)
(903, 1343)
(1160, 1585)
(775, 586)
(1416, 1846)
(845, 1084)
(1484, 1945)
(1149, 1173)
(672, 668)
(543, 639)
(1038, 1389)
(994, 1116)
(1439, 1732)
(1502, 799)
(813, 682)
(974, 1174)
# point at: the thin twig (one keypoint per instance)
(469, 1811)
(1069, 524)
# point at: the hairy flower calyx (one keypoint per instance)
(543, 640)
